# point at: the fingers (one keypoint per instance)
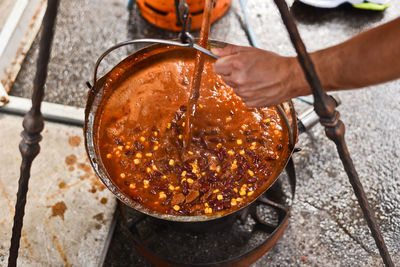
(229, 80)
(254, 96)
(259, 102)
(228, 50)
(232, 64)
(255, 75)
(224, 65)
(263, 100)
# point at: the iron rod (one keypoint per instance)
(334, 127)
(33, 125)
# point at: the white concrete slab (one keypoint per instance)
(17, 34)
(68, 211)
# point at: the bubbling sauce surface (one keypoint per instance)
(235, 152)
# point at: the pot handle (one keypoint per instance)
(309, 118)
(154, 41)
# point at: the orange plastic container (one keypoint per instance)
(162, 13)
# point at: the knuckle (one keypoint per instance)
(237, 49)
(237, 63)
(217, 67)
(240, 79)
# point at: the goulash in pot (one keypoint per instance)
(234, 152)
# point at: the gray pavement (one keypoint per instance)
(327, 226)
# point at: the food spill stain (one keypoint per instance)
(58, 209)
(9, 202)
(63, 189)
(71, 159)
(100, 220)
(56, 242)
(74, 141)
(62, 185)
(72, 162)
(28, 245)
(95, 181)
(99, 217)
(84, 167)
(60, 251)
(2, 222)
(93, 190)
(89, 174)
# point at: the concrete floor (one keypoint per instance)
(327, 227)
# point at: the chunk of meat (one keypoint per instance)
(177, 198)
(117, 129)
(196, 208)
(114, 131)
(193, 195)
(206, 195)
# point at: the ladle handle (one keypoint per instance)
(154, 41)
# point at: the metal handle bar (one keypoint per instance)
(310, 118)
(159, 41)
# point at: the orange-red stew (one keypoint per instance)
(233, 152)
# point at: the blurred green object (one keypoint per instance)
(372, 6)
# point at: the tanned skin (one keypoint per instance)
(262, 78)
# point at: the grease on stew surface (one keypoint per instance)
(233, 154)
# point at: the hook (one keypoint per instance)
(185, 35)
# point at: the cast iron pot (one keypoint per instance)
(139, 60)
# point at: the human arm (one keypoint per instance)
(262, 78)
